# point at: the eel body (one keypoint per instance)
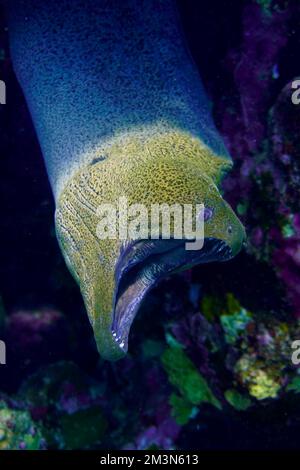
(120, 110)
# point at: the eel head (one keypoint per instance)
(116, 272)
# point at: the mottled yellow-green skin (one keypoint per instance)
(169, 168)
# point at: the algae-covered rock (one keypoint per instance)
(236, 400)
(18, 431)
(294, 385)
(183, 375)
(262, 381)
(182, 409)
(66, 402)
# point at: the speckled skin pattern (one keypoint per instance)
(119, 110)
(91, 69)
(168, 168)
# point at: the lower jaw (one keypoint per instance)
(140, 268)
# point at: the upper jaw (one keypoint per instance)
(142, 264)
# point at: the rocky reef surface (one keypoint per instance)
(210, 360)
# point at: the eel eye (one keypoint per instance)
(208, 213)
(230, 229)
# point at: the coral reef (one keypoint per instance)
(18, 431)
(210, 365)
(67, 406)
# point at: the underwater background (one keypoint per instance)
(209, 364)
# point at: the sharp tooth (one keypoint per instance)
(122, 345)
(114, 335)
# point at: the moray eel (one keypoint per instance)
(120, 110)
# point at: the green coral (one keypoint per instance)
(17, 430)
(263, 346)
(294, 385)
(182, 410)
(234, 325)
(264, 386)
(262, 382)
(184, 376)
(238, 401)
(234, 319)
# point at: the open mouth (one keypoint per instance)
(142, 264)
